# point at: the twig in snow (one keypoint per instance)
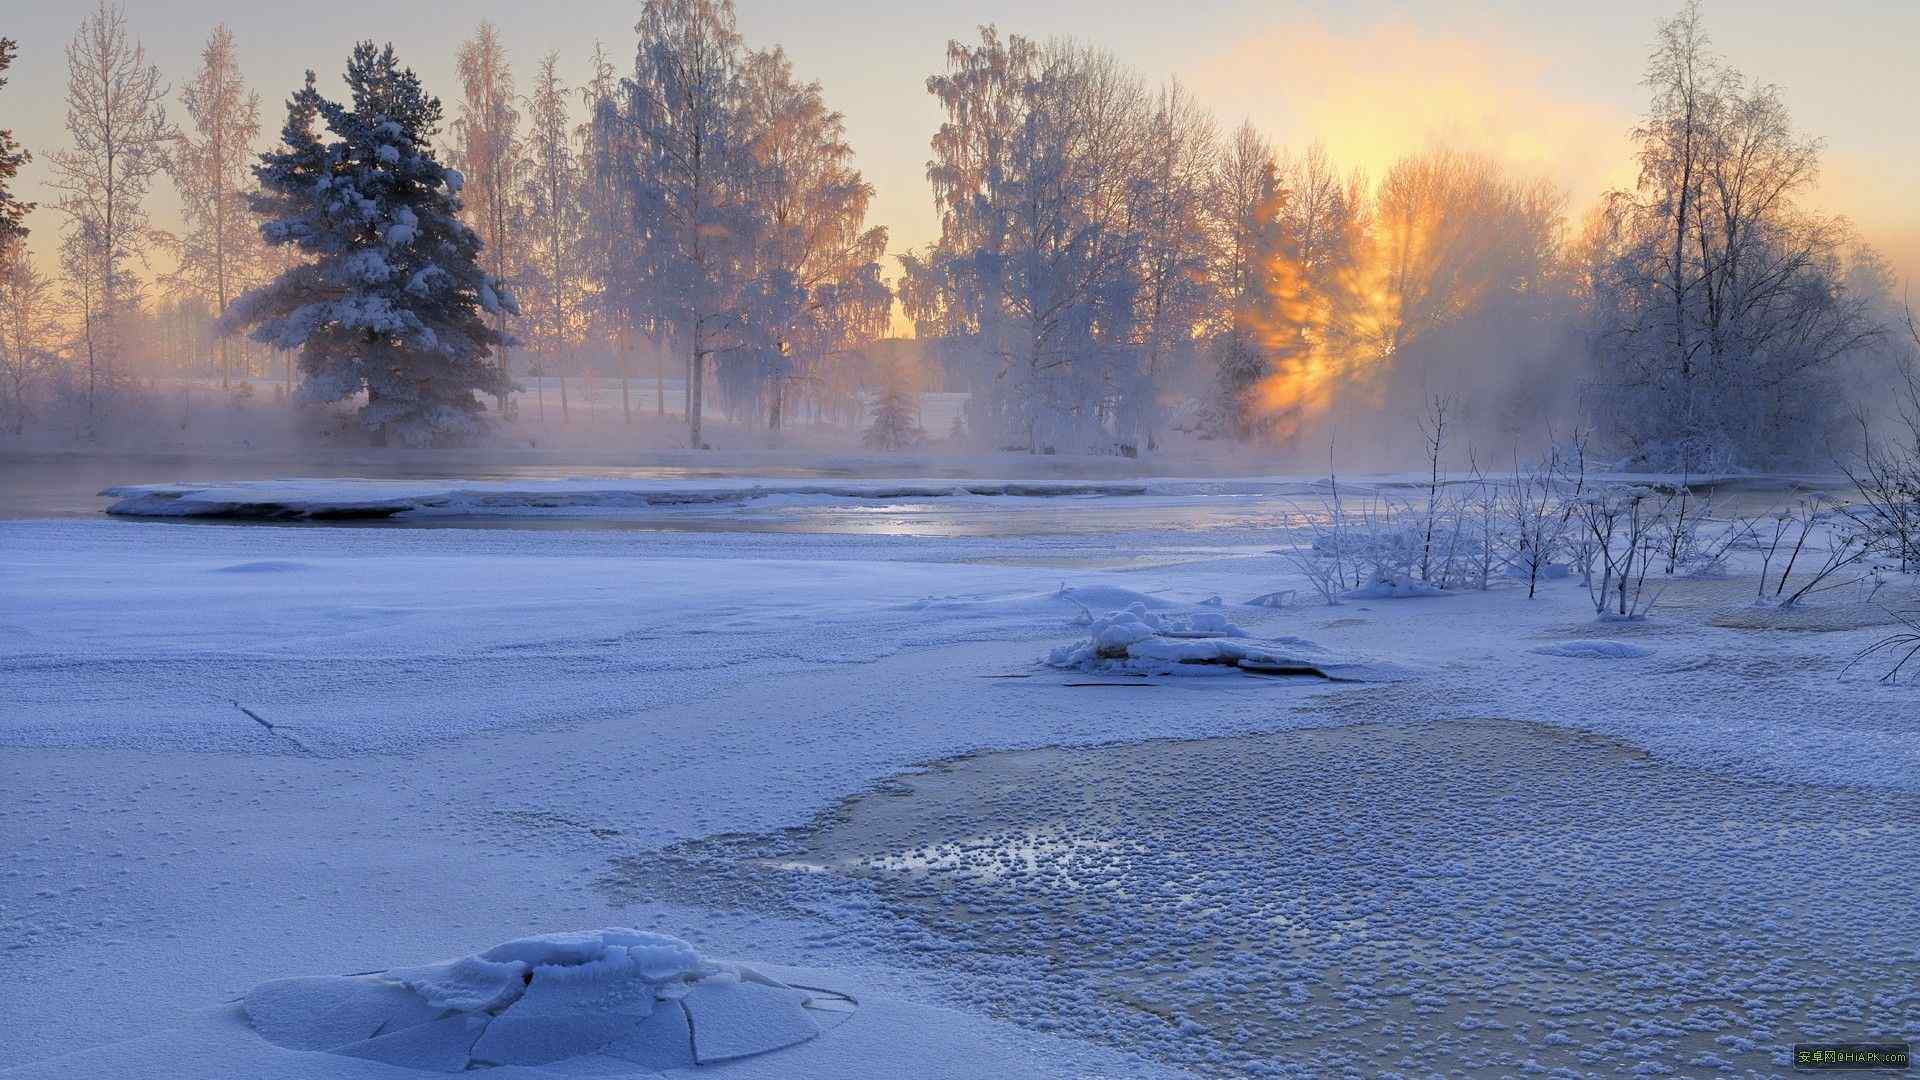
(271, 729)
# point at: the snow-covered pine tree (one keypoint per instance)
(13, 212)
(389, 299)
(896, 416)
(894, 426)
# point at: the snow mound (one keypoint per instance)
(1594, 650)
(637, 997)
(1392, 589)
(1139, 641)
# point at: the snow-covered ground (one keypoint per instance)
(235, 753)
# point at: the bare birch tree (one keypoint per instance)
(28, 327)
(116, 114)
(556, 212)
(491, 156)
(220, 251)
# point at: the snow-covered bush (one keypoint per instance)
(1382, 548)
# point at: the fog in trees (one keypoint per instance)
(1118, 271)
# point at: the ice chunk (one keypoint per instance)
(615, 995)
(733, 1019)
(329, 1011)
(470, 984)
(444, 1045)
(1138, 641)
(571, 1008)
(661, 1041)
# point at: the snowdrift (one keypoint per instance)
(1139, 641)
(639, 998)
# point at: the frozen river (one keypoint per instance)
(1078, 498)
(797, 715)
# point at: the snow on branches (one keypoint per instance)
(389, 297)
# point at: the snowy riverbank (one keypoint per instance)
(240, 753)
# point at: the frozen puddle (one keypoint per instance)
(1479, 898)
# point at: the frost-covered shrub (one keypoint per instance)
(1624, 523)
(1383, 548)
(1535, 523)
(1904, 644)
(1887, 481)
(1890, 498)
(1842, 537)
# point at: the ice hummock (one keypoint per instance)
(638, 997)
(1137, 640)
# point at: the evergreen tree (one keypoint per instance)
(13, 212)
(896, 419)
(894, 426)
(391, 299)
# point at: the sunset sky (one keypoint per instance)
(1551, 87)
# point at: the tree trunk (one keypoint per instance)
(696, 384)
(626, 401)
(379, 433)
